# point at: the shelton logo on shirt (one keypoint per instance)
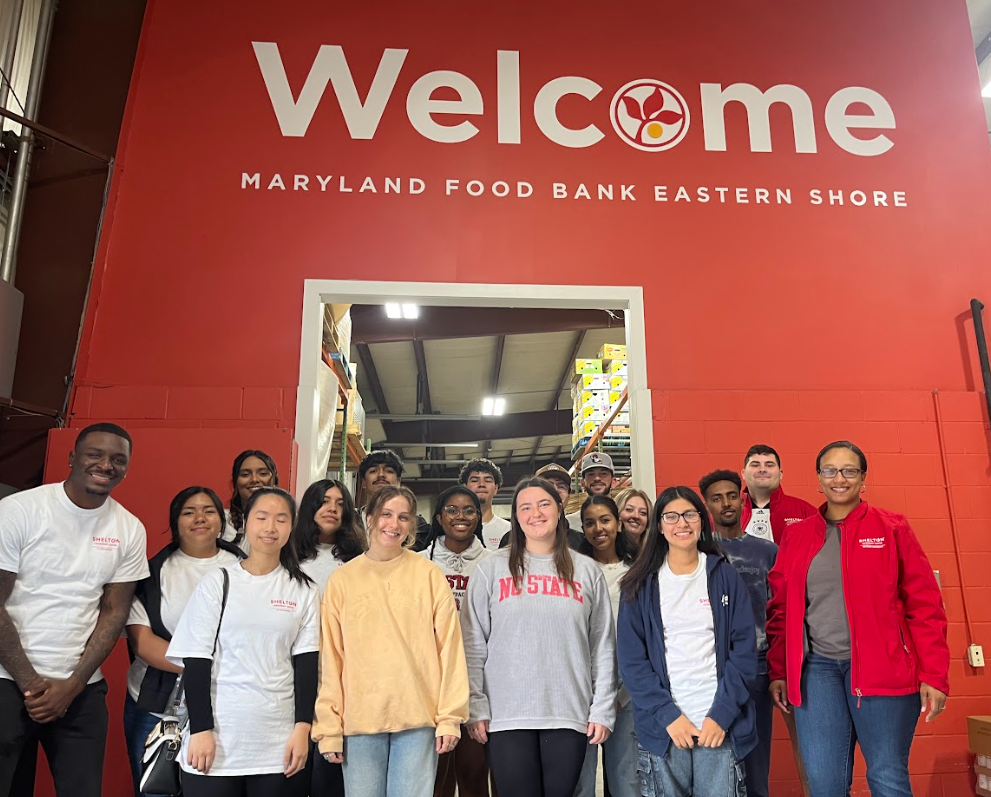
(106, 543)
(872, 542)
(541, 585)
(282, 605)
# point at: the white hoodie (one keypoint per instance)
(456, 567)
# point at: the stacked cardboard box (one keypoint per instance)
(979, 731)
(595, 388)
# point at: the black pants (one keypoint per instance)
(274, 785)
(74, 744)
(543, 763)
(320, 778)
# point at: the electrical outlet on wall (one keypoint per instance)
(975, 655)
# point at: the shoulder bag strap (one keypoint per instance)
(177, 701)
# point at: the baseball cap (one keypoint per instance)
(554, 471)
(597, 460)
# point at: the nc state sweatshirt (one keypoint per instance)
(541, 655)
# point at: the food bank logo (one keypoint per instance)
(649, 115)
(643, 112)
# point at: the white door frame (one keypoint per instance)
(317, 292)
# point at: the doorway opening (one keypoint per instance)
(427, 422)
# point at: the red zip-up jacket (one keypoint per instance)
(786, 510)
(893, 605)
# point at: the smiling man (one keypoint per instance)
(767, 511)
(596, 478)
(484, 478)
(70, 557)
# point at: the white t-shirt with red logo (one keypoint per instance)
(689, 640)
(268, 620)
(64, 555)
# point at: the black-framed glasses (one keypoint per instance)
(671, 518)
(848, 473)
(465, 511)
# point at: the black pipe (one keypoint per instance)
(982, 349)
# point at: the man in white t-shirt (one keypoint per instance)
(484, 478)
(70, 557)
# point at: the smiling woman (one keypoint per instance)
(387, 606)
(264, 635)
(687, 653)
(541, 603)
(252, 470)
(196, 521)
(870, 647)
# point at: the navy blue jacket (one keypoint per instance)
(642, 662)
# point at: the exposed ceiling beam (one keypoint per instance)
(496, 373)
(374, 384)
(437, 416)
(983, 50)
(497, 427)
(369, 324)
(422, 379)
(563, 383)
(497, 365)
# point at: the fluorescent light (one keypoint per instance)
(393, 311)
(411, 311)
(986, 91)
(460, 445)
(493, 406)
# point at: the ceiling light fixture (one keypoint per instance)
(406, 310)
(986, 91)
(493, 406)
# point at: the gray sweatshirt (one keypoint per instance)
(543, 656)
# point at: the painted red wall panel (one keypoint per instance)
(798, 322)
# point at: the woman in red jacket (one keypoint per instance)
(857, 634)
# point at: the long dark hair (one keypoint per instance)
(626, 547)
(175, 508)
(436, 530)
(563, 563)
(654, 548)
(238, 512)
(349, 541)
(287, 556)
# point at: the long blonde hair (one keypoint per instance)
(623, 497)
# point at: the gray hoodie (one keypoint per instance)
(542, 656)
(457, 567)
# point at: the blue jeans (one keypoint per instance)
(619, 759)
(830, 724)
(758, 761)
(402, 764)
(137, 725)
(698, 771)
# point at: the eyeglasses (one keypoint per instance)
(671, 518)
(467, 511)
(848, 473)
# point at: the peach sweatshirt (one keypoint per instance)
(391, 653)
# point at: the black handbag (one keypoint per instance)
(160, 762)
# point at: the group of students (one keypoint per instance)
(366, 651)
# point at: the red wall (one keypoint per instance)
(756, 315)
